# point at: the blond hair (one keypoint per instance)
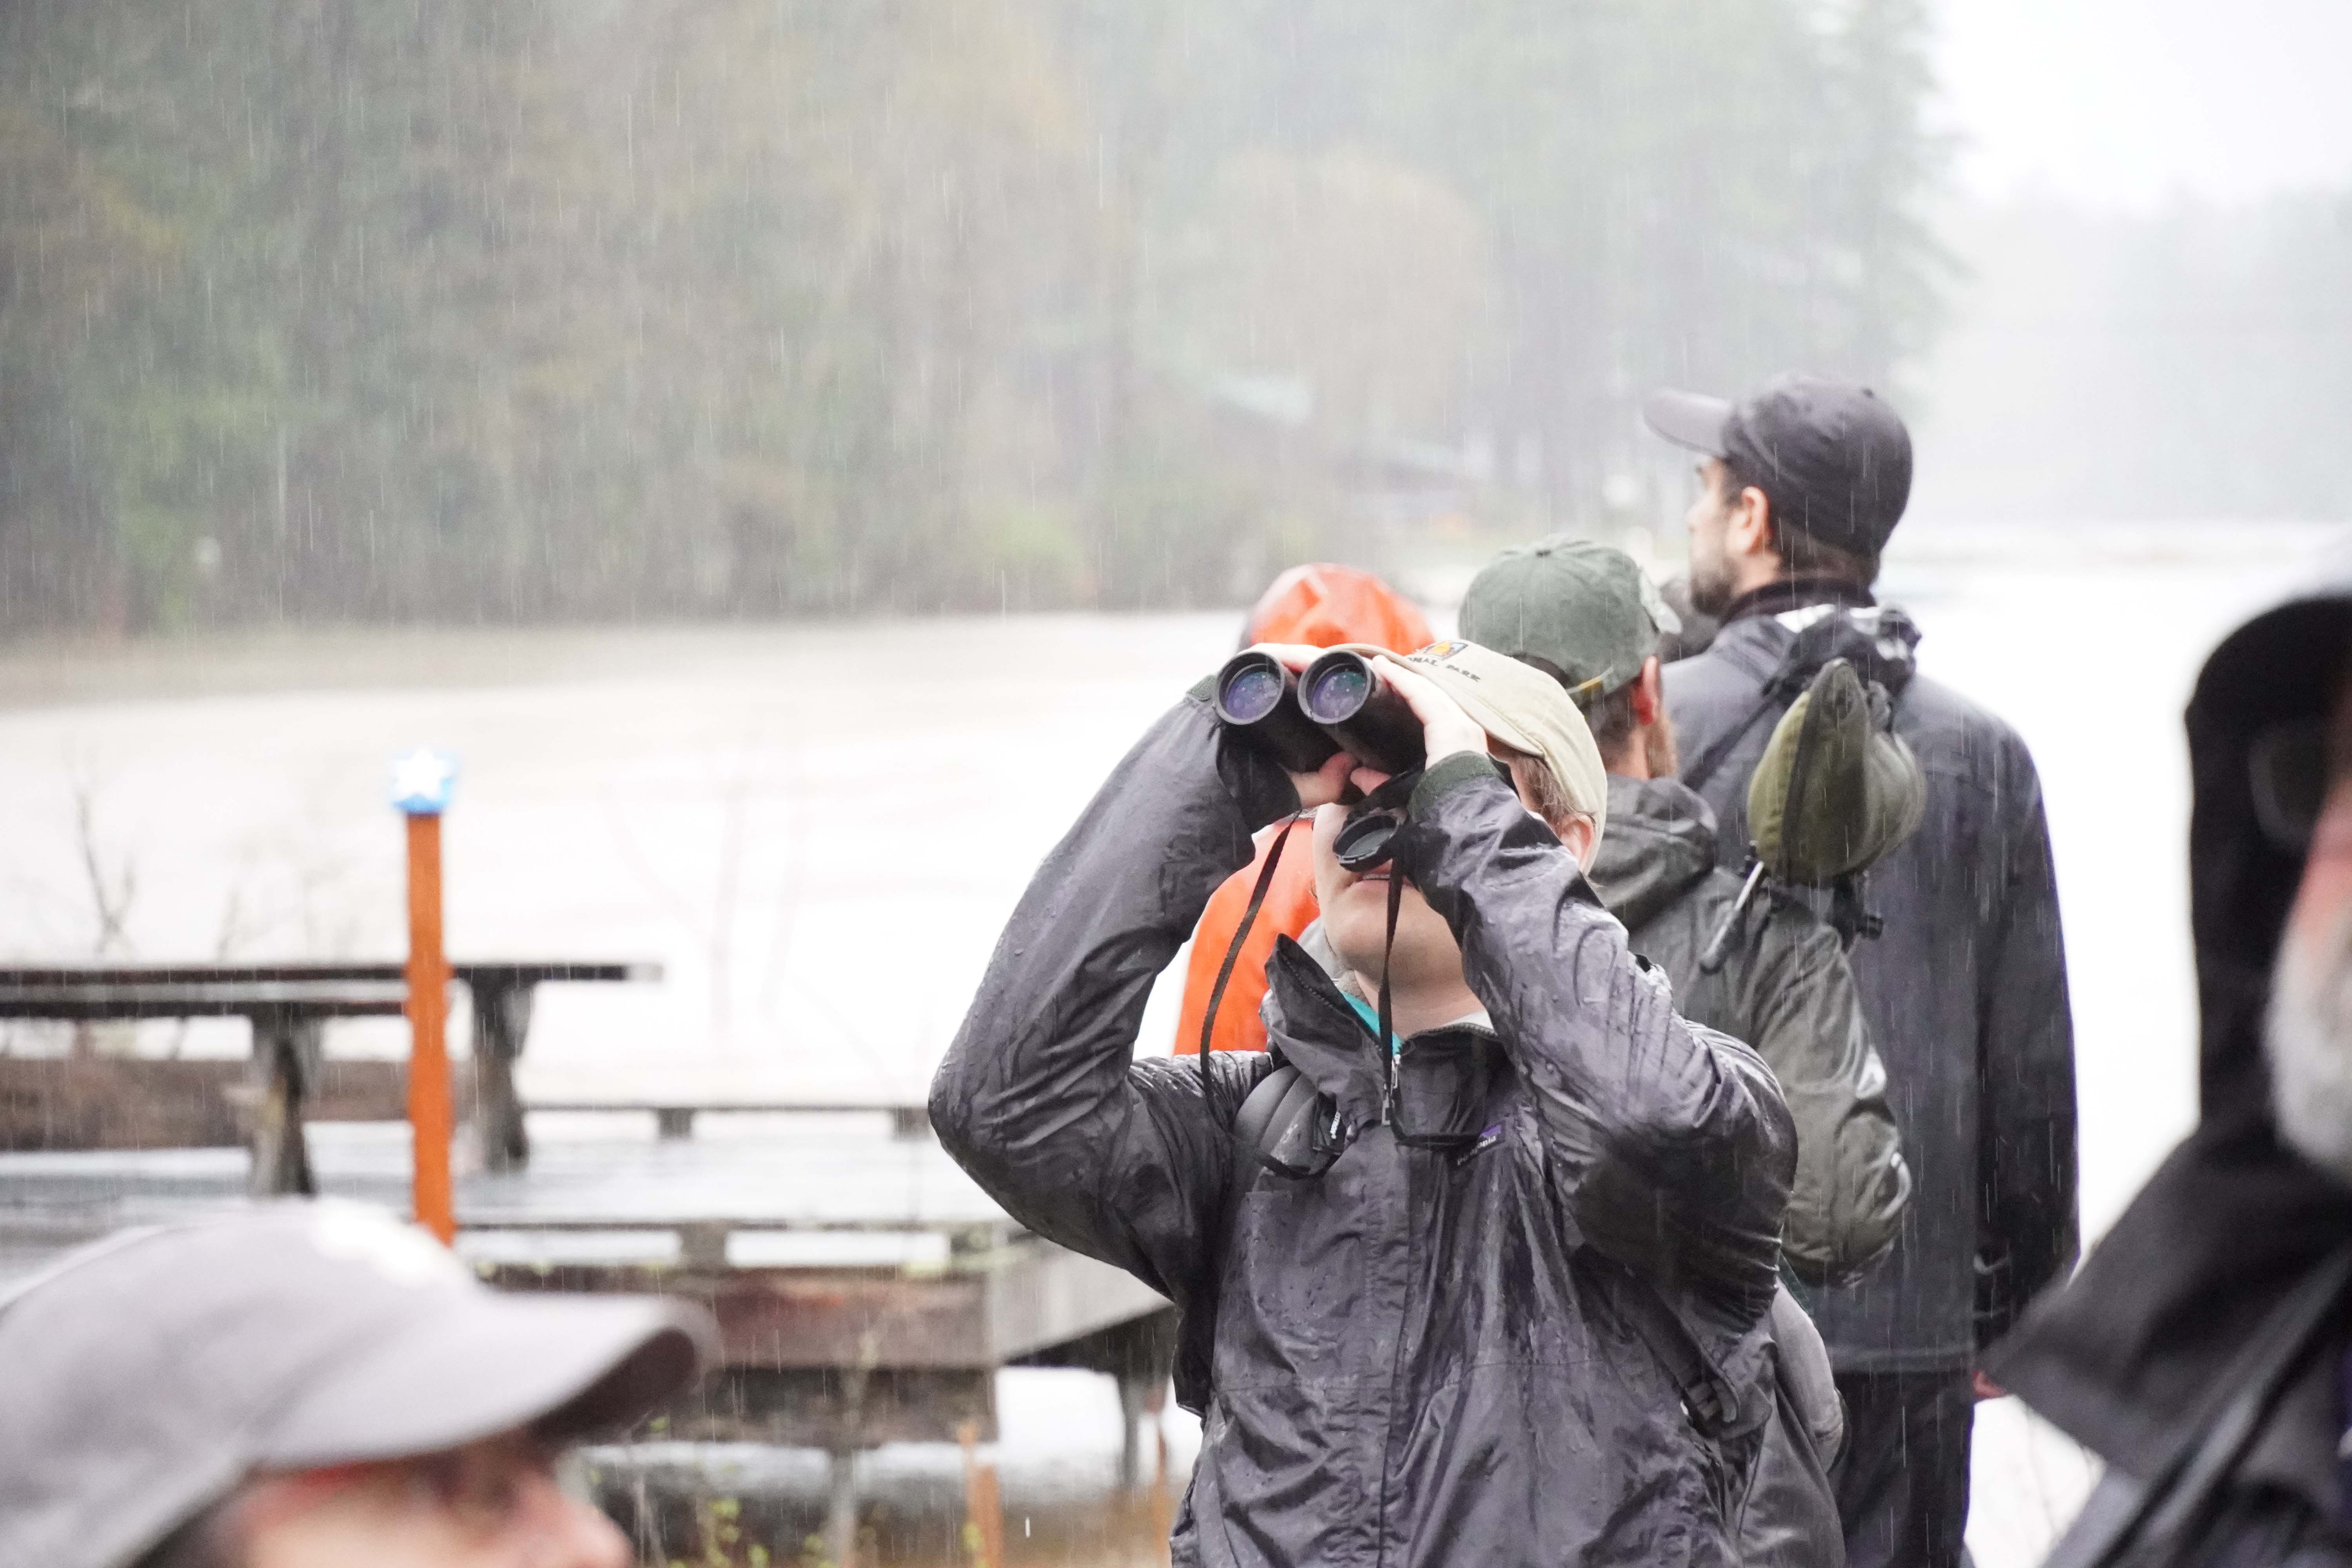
(1539, 784)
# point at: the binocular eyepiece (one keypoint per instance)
(1341, 703)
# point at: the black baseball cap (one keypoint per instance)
(1831, 456)
(147, 1374)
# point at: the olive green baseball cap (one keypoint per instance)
(1582, 613)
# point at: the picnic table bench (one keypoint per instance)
(289, 1006)
(675, 1119)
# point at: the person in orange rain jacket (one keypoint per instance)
(1322, 605)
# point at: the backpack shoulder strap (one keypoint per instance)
(1779, 691)
(1703, 766)
(1776, 694)
(1712, 1403)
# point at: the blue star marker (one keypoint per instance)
(421, 782)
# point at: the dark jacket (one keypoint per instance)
(1783, 988)
(2132, 1354)
(1965, 994)
(1423, 1353)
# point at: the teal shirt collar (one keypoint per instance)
(1372, 1017)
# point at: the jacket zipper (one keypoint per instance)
(1396, 1357)
(1389, 1082)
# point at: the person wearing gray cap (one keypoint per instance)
(312, 1385)
(1964, 983)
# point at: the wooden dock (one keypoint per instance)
(867, 1291)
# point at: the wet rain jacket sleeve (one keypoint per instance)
(1671, 1149)
(1040, 1097)
(2028, 1237)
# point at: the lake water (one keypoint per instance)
(818, 831)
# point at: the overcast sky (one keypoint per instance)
(2124, 102)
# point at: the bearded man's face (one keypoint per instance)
(2309, 1039)
(2308, 1035)
(1713, 583)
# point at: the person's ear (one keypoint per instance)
(1581, 839)
(1649, 693)
(1747, 528)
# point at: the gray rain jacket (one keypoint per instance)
(1422, 1349)
(1784, 988)
(1965, 994)
(2140, 1350)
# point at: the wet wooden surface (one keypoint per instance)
(605, 1188)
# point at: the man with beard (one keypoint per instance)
(2202, 1350)
(1964, 981)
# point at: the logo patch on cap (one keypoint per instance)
(1443, 656)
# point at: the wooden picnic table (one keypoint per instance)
(288, 1005)
(674, 1119)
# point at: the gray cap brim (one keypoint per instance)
(1690, 420)
(486, 1364)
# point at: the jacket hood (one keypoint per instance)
(1661, 839)
(1879, 640)
(2284, 664)
(2136, 1348)
(1326, 605)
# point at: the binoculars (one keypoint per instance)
(1340, 704)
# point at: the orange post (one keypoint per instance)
(420, 789)
(429, 1114)
(983, 1504)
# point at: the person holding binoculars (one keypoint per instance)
(1326, 605)
(1487, 1279)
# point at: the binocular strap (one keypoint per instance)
(1390, 1047)
(1388, 1040)
(1240, 935)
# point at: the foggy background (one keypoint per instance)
(500, 310)
(2151, 207)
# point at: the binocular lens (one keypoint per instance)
(1363, 839)
(1343, 693)
(1337, 691)
(1250, 693)
(1254, 698)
